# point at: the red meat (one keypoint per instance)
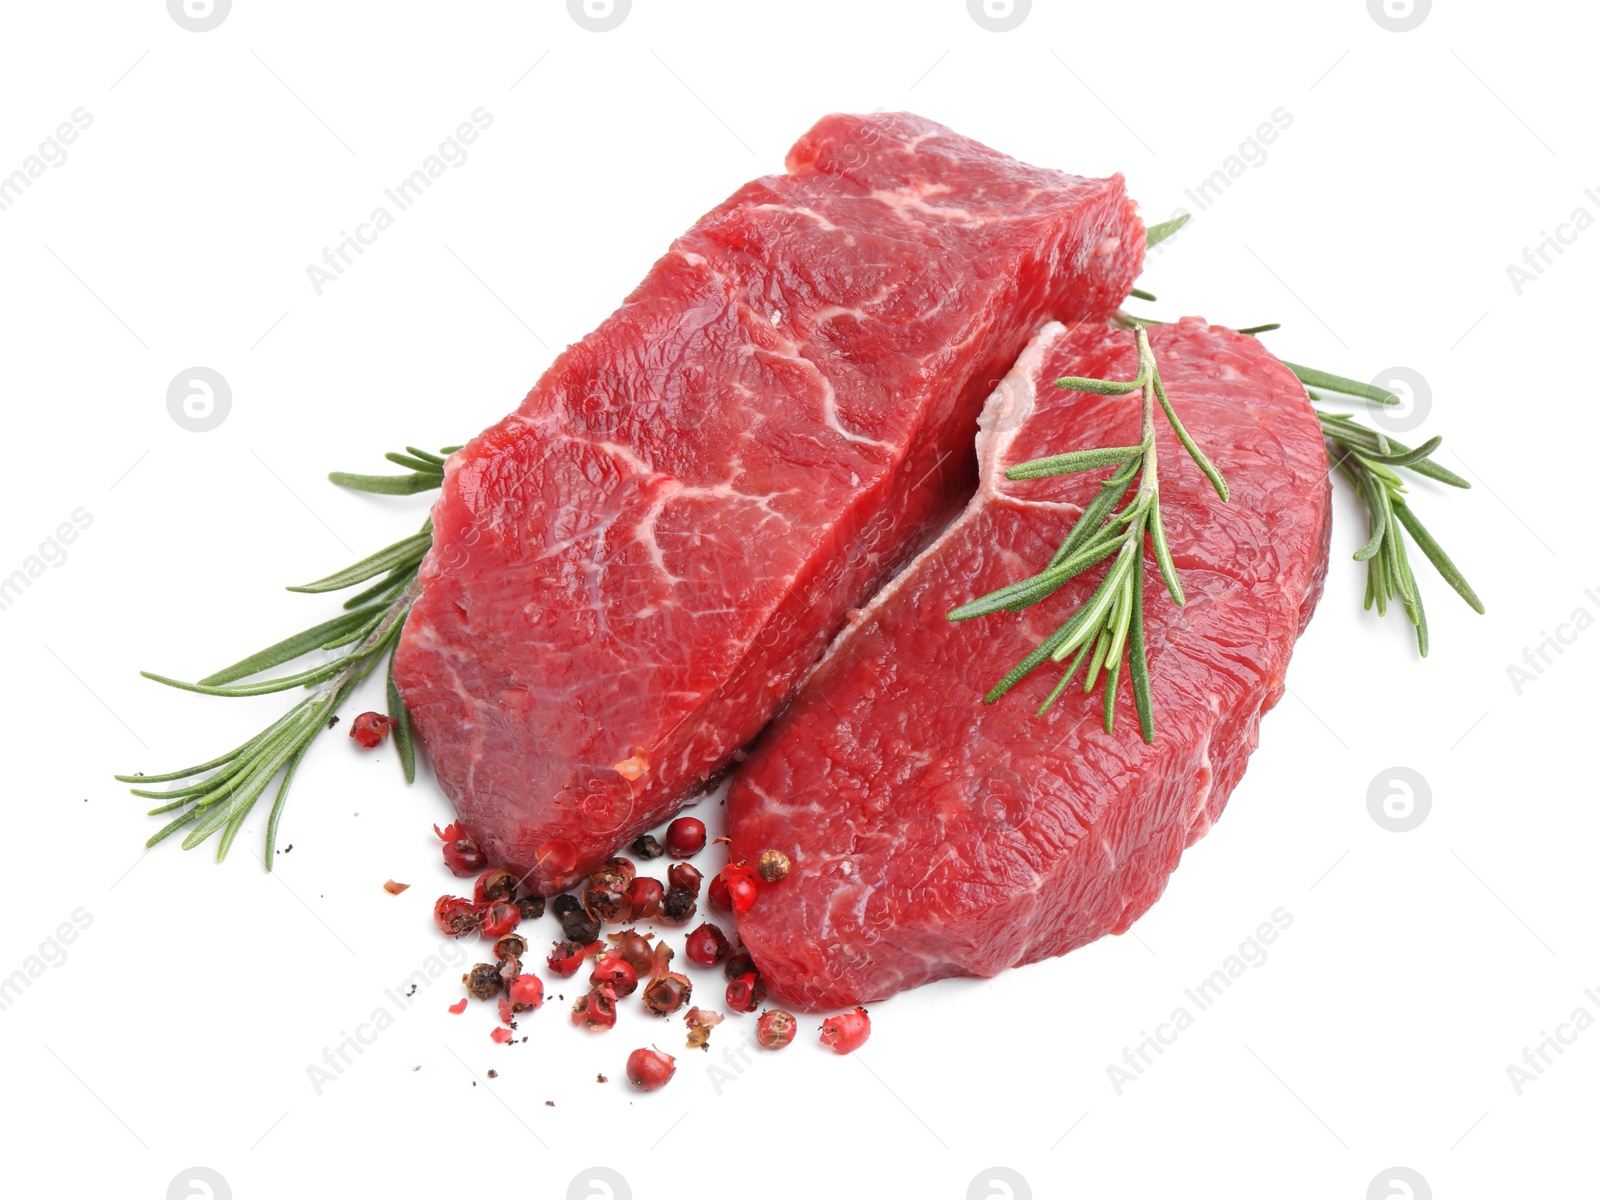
(932, 835)
(631, 573)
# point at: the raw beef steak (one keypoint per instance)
(932, 835)
(631, 573)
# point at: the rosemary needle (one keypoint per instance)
(1110, 623)
(226, 788)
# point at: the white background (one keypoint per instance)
(179, 1028)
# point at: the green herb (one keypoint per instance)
(1110, 623)
(1370, 461)
(219, 803)
(1111, 620)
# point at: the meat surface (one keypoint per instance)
(631, 572)
(932, 835)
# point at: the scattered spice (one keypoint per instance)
(701, 1022)
(684, 877)
(746, 993)
(531, 907)
(595, 1010)
(483, 981)
(738, 887)
(525, 992)
(644, 898)
(494, 884)
(393, 888)
(667, 994)
(633, 948)
(459, 1007)
(580, 927)
(615, 972)
(500, 1036)
(370, 729)
(456, 917)
(564, 905)
(706, 945)
(606, 899)
(847, 1031)
(773, 866)
(462, 856)
(646, 846)
(649, 1070)
(685, 837)
(511, 946)
(617, 865)
(601, 1079)
(499, 919)
(565, 959)
(775, 1029)
(678, 907)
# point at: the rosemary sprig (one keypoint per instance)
(1370, 460)
(1110, 623)
(369, 628)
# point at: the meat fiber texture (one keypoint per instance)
(631, 573)
(932, 835)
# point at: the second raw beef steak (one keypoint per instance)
(933, 835)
